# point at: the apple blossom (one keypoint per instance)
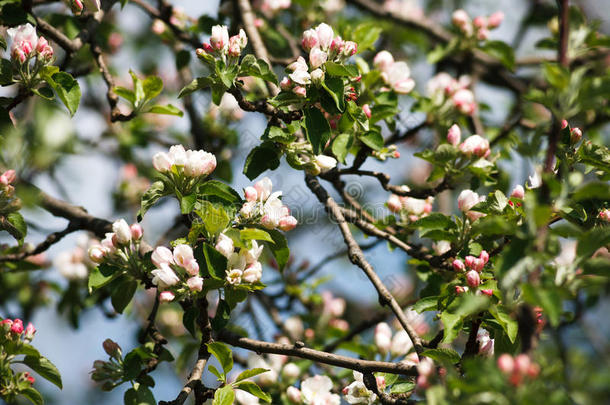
(325, 163)
(398, 76)
(288, 223)
(487, 291)
(286, 84)
(468, 199)
(367, 110)
(383, 337)
(518, 192)
(183, 254)
(425, 367)
(294, 327)
(96, 254)
(401, 344)
(164, 276)
(325, 35)
(460, 289)
(317, 76)
(454, 135)
(234, 276)
(23, 39)
(394, 203)
(71, 266)
(293, 394)
(357, 393)
(253, 273)
(17, 327)
(458, 265)
(464, 101)
(310, 40)
(166, 296)
(195, 283)
(220, 37)
(473, 279)
(162, 255)
(136, 231)
(486, 344)
(575, 135)
(605, 215)
(225, 244)
(316, 391)
(383, 61)
(162, 162)
(460, 19)
(30, 330)
(350, 48)
(291, 371)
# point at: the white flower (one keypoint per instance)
(291, 371)
(162, 162)
(317, 76)
(177, 155)
(164, 276)
(299, 64)
(293, 394)
(300, 77)
(325, 163)
(195, 283)
(383, 337)
(263, 187)
(325, 35)
(441, 247)
(317, 57)
(273, 211)
(122, 231)
(161, 255)
(468, 199)
(70, 266)
(268, 377)
(398, 76)
(234, 276)
(199, 163)
(464, 101)
(253, 253)
(253, 273)
(425, 367)
(413, 206)
(383, 61)
(535, 180)
(316, 391)
(183, 254)
(224, 245)
(357, 393)
(401, 344)
(220, 37)
(22, 37)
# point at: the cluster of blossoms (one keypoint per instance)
(13, 333)
(223, 46)
(78, 6)
(473, 266)
(178, 269)
(8, 200)
(242, 266)
(397, 75)
(473, 146)
(412, 208)
(74, 264)
(265, 207)
(191, 163)
(26, 44)
(517, 368)
(357, 393)
(445, 90)
(478, 27)
(323, 46)
(118, 246)
(314, 390)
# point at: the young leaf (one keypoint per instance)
(165, 110)
(222, 354)
(152, 86)
(150, 197)
(263, 157)
(253, 389)
(215, 262)
(318, 129)
(442, 355)
(372, 139)
(122, 295)
(45, 368)
(341, 146)
(250, 373)
(67, 90)
(197, 84)
(279, 248)
(125, 93)
(255, 234)
(33, 395)
(224, 396)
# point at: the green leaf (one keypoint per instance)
(67, 90)
(15, 225)
(435, 220)
(426, 304)
(250, 373)
(452, 324)
(150, 197)
(6, 72)
(341, 70)
(402, 387)
(45, 368)
(336, 89)
(28, 350)
(45, 92)
(165, 110)
(125, 93)
(509, 324)
(366, 34)
(223, 355)
(263, 157)
(152, 86)
(215, 262)
(122, 295)
(341, 146)
(187, 203)
(442, 355)
(197, 84)
(279, 248)
(547, 297)
(99, 280)
(215, 218)
(218, 374)
(318, 129)
(189, 319)
(501, 51)
(277, 134)
(250, 66)
(253, 389)
(372, 139)
(255, 234)
(139, 395)
(220, 190)
(138, 88)
(592, 240)
(33, 395)
(223, 314)
(224, 396)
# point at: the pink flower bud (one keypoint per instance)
(564, 124)
(483, 34)
(288, 223)
(454, 135)
(575, 135)
(367, 110)
(317, 57)
(8, 177)
(495, 19)
(300, 91)
(166, 296)
(162, 255)
(29, 377)
(460, 289)
(195, 283)
(425, 367)
(136, 231)
(337, 46)
(518, 192)
(460, 19)
(484, 256)
(220, 37)
(470, 261)
(522, 363)
(207, 47)
(458, 265)
(192, 267)
(475, 145)
(17, 327)
(30, 330)
(310, 40)
(325, 35)
(96, 254)
(605, 215)
(480, 22)
(383, 61)
(506, 364)
(349, 48)
(381, 384)
(294, 395)
(162, 162)
(489, 292)
(286, 84)
(473, 279)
